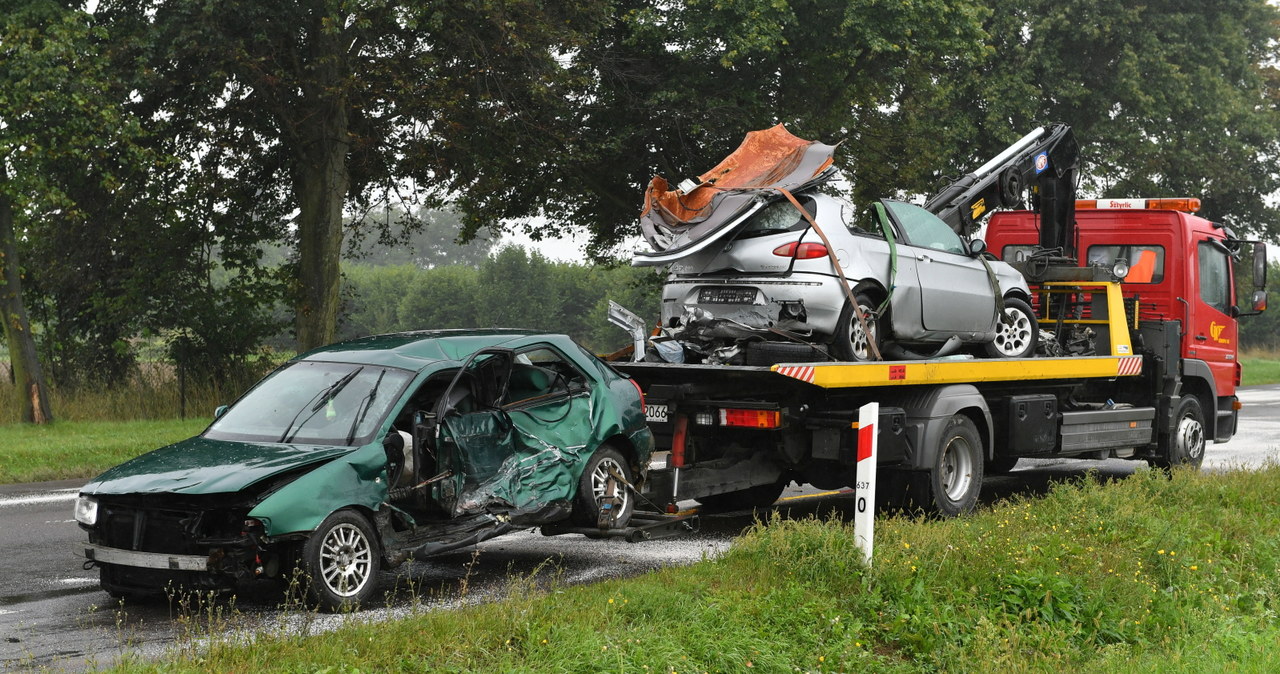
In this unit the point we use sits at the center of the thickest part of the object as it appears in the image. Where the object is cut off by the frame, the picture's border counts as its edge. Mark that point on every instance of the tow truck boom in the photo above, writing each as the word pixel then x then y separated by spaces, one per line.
pixel 1047 159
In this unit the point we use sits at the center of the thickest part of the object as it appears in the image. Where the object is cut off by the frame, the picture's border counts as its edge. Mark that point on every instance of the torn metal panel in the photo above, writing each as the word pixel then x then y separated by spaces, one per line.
pixel 675 220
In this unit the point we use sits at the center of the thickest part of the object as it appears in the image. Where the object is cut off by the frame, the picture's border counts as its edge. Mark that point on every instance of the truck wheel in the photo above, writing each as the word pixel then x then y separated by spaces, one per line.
pixel 1184 446
pixel 1017 333
pixel 851 342
pixel 951 486
pixel 341 560
pixel 759 496
pixel 602 501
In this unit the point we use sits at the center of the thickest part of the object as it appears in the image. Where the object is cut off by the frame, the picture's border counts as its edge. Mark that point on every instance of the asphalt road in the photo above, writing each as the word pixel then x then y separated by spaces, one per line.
pixel 52 614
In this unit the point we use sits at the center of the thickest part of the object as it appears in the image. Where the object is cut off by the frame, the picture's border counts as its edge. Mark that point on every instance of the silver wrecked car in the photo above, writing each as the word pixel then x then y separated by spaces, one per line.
pixel 747 267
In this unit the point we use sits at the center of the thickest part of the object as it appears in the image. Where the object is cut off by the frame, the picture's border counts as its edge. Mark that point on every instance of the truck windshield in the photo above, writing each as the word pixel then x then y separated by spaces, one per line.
pixel 314 403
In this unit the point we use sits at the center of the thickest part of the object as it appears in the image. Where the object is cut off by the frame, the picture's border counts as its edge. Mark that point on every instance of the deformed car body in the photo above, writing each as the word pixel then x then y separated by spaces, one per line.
pixel 763 267
pixel 360 455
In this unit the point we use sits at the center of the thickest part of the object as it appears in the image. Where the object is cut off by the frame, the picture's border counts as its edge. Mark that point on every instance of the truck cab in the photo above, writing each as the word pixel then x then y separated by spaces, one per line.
pixel 1181 274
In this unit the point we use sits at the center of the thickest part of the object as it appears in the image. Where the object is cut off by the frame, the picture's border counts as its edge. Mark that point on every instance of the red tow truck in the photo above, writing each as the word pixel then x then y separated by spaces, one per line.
pixel 1138 360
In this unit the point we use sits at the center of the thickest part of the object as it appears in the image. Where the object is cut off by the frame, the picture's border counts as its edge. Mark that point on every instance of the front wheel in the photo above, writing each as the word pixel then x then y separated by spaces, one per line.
pixel 951 486
pixel 1016 332
pixel 851 341
pixel 603 500
pixel 341 560
pixel 1184 445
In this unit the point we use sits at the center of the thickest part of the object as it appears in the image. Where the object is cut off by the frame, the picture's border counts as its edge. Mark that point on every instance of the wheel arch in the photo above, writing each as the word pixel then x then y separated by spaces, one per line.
pixel 928 412
pixel 1197 380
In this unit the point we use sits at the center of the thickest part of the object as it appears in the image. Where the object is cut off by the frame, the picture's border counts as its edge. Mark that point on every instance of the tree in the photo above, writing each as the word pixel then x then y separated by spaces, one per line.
pixel 52 111
pixel 1168 98
pixel 423 239
pixel 323 104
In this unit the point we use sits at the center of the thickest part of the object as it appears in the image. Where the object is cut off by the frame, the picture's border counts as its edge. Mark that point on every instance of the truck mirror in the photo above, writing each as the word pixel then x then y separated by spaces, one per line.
pixel 1260 267
pixel 977 247
pixel 1259 301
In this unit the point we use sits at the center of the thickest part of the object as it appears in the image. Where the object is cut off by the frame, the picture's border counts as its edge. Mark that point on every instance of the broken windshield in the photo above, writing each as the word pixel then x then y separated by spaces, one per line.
pixel 315 403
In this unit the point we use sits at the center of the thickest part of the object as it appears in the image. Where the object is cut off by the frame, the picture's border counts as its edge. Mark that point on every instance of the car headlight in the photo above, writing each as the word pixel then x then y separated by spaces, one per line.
pixel 86 511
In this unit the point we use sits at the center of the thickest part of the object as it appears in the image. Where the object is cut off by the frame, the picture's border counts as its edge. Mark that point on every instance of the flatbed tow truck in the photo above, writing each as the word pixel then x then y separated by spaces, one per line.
pixel 1126 377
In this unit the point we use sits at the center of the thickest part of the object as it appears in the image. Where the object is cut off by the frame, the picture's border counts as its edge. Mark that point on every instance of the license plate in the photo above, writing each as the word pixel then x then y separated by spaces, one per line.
pixel 726 295
pixel 656 413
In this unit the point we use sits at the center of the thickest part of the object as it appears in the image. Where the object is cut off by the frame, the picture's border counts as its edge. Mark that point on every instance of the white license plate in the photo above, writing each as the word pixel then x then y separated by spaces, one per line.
pixel 656 413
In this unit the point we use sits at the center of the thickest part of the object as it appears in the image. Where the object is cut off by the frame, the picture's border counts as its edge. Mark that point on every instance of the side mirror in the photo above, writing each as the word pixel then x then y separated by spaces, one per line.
pixel 977 247
pixel 221 410
pixel 1259 301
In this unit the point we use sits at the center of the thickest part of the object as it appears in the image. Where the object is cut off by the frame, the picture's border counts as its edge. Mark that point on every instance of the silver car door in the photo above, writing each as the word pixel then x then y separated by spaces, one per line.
pixel 956 295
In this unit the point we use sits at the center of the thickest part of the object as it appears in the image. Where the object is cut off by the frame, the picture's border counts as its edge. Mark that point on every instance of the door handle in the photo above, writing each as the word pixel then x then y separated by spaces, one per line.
pixel 1202 338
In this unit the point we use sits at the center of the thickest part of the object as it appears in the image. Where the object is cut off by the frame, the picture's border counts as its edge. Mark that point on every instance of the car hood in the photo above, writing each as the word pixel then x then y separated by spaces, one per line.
pixel 202 466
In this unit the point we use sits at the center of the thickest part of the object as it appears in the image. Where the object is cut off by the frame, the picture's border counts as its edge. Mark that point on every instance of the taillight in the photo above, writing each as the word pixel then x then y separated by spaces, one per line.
pixel 751 418
pixel 638 390
pixel 801 251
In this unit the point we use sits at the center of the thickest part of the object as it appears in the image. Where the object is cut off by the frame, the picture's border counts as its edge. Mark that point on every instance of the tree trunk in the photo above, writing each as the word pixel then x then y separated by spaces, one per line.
pixel 320 183
pixel 32 394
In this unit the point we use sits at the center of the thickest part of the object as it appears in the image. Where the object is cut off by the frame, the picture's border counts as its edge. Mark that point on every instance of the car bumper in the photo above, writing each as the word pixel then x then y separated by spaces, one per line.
pixel 146 560
pixel 821 296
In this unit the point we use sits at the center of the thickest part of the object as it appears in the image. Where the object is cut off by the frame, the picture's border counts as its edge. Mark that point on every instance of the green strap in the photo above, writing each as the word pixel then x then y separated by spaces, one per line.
pixel 882 216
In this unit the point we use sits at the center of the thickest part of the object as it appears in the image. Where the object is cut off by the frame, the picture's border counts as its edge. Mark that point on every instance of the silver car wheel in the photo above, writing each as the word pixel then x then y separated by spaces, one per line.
pixel 858 340
pixel 1014 333
pixel 346 560
pixel 602 482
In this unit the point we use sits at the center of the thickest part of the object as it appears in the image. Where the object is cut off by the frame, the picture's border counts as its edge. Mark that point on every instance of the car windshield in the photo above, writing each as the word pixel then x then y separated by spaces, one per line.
pixel 316 403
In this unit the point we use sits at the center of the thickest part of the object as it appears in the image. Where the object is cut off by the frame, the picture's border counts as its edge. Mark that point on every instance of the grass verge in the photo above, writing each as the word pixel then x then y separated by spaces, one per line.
pixel 1148 574
pixel 1260 369
pixel 71 449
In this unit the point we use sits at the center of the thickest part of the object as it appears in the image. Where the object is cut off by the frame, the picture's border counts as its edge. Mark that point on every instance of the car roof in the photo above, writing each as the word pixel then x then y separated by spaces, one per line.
pixel 421 348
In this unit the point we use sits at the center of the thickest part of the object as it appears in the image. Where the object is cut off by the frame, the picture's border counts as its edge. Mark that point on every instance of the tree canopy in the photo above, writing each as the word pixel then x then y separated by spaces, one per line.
pixel 178 139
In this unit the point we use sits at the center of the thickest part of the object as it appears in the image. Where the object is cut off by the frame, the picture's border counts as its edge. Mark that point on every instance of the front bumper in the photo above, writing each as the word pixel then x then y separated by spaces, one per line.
pixel 146 560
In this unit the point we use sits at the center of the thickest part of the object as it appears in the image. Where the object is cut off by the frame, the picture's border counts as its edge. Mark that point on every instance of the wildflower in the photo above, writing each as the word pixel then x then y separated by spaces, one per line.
pixel 1194 567
pixel 906 545
pixel 610 600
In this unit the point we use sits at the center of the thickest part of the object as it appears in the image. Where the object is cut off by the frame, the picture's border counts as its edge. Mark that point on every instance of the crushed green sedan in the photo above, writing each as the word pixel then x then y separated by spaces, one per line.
pixel 358 456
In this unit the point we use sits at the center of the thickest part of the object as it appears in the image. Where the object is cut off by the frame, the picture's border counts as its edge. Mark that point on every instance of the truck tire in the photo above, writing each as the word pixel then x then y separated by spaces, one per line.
pixel 341 560
pixel 592 506
pixel 850 343
pixel 1184 445
pixel 759 496
pixel 1017 333
pixel 951 486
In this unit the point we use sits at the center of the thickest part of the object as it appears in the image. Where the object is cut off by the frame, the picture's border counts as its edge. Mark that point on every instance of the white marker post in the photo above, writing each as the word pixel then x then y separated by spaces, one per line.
pixel 864 518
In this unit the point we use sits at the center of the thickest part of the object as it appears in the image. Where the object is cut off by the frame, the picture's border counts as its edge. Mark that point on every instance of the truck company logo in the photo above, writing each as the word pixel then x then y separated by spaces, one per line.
pixel 1215 331
pixel 1042 162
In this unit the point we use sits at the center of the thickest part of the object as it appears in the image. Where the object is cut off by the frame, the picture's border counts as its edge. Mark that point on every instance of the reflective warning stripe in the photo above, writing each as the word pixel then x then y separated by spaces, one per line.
pixel 802 372
pixel 1129 366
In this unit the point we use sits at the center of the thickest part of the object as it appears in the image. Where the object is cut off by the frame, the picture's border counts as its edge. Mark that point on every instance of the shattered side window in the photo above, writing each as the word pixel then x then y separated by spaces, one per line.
pixel 542 372
pixel 778 217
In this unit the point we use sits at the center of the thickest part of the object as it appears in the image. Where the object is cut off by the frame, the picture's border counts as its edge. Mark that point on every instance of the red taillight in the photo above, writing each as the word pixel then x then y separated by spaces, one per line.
pixel 751 418
pixel 801 251
pixel 638 390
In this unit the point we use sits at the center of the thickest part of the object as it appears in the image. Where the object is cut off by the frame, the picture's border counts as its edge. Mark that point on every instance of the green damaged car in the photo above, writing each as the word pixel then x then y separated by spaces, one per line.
pixel 360 455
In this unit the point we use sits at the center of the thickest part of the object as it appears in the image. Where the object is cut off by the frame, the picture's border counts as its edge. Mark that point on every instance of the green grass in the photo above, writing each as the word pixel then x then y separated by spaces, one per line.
pixel 73 449
pixel 1258 370
pixel 1148 574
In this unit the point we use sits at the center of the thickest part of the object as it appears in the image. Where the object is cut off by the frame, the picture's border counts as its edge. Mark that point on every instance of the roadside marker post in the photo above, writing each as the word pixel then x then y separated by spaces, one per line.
pixel 864 517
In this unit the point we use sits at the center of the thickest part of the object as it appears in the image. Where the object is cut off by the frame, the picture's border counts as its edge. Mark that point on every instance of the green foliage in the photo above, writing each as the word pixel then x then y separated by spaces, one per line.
pixel 1146 574
pixel 514 288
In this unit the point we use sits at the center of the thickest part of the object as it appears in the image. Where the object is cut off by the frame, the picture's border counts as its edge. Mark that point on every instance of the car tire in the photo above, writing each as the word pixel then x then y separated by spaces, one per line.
pixel 850 343
pixel 1016 335
pixel 759 496
pixel 1185 444
pixel 591 507
pixel 341 560
pixel 951 485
